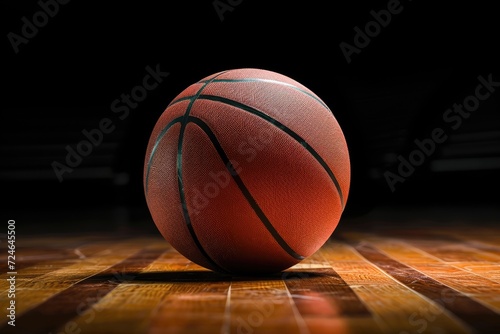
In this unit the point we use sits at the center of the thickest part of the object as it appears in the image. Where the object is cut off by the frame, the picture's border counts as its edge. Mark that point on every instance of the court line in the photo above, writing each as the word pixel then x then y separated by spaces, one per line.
pixel 226 325
pixel 299 319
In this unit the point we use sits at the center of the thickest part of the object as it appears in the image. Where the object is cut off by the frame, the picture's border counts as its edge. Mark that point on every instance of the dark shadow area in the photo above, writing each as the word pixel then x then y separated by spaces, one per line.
pixel 62 86
pixel 206 276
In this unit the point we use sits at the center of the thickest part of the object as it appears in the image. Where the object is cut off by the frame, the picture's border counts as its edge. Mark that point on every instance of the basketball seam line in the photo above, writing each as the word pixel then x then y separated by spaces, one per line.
pixel 272 120
pixel 246 193
pixel 241 185
pixel 185 120
pixel 155 146
pixel 185 212
pixel 182 200
pixel 275 82
pixel 285 129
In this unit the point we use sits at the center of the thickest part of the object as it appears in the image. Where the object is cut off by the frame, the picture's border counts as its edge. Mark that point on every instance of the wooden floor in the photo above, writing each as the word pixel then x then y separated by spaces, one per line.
pixel 370 278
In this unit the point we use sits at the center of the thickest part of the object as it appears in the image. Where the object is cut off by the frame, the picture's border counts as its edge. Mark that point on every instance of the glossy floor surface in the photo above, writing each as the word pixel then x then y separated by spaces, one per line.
pixel 371 277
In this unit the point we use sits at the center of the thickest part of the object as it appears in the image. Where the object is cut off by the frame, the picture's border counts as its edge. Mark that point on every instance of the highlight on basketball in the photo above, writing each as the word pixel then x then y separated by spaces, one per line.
pixel 257 214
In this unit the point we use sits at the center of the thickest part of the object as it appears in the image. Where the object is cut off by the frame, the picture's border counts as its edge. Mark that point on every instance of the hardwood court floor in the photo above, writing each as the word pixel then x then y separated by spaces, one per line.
pixel 372 277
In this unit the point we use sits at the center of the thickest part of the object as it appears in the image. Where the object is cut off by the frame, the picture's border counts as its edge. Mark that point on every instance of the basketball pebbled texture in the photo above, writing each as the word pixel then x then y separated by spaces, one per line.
pixel 246 172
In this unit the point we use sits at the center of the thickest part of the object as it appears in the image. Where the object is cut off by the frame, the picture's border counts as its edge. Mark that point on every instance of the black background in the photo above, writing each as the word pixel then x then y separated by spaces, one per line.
pixel 395 90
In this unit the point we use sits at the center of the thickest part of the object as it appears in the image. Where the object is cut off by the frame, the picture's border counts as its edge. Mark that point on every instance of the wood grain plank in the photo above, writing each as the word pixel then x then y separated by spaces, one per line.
pixel 468 310
pixel 489 271
pixel 404 280
pixel 131 306
pixel 196 307
pixel 179 311
pixel 395 307
pixel 30 251
pixel 454 251
pixel 31 291
pixel 171 295
pixel 472 255
pixel 60 308
pixel 477 287
pixel 326 302
pixel 262 306
pixel 458 242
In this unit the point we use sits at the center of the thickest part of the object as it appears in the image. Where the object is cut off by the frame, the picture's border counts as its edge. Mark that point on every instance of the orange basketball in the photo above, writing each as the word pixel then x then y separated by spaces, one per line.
pixel 246 172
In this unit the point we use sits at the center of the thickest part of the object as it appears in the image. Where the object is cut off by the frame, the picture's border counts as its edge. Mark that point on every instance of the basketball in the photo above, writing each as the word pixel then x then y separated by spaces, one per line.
pixel 246 172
